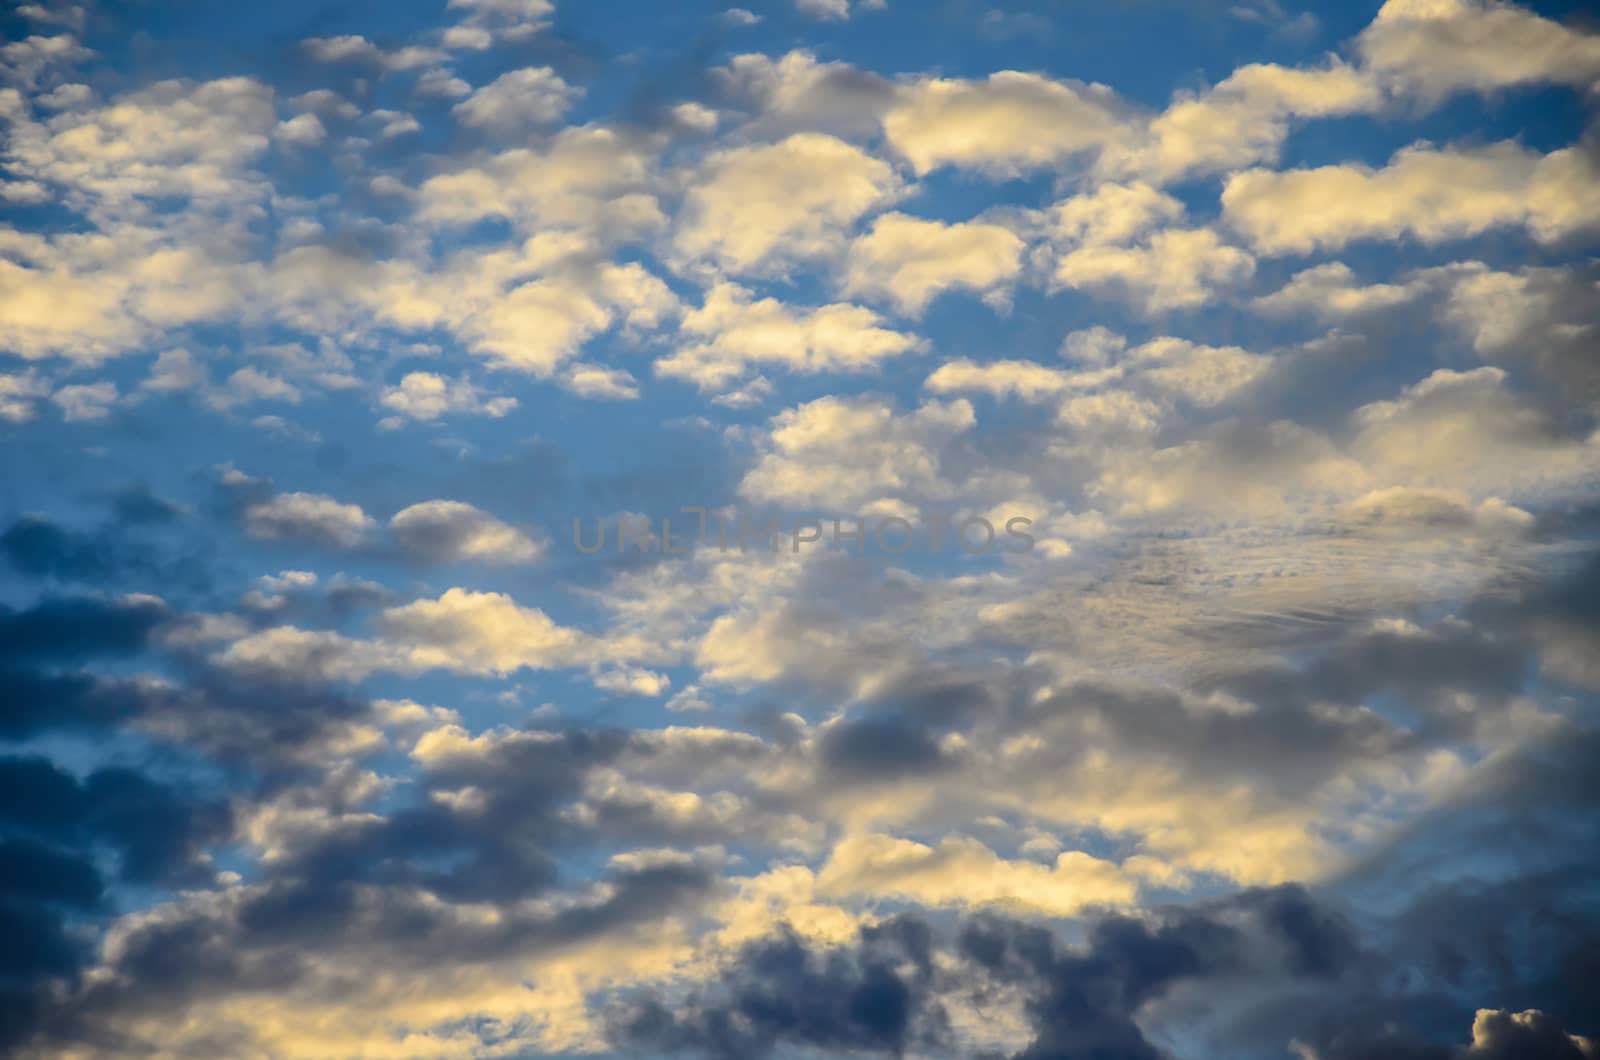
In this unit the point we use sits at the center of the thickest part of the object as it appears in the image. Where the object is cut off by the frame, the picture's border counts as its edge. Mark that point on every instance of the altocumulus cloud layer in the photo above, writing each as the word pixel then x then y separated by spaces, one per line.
pixel 320 325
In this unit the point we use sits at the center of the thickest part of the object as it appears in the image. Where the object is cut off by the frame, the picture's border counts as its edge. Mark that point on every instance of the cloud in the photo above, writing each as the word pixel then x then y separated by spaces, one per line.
pixel 427 396
pixel 594 381
pixel 583 176
pixel 1331 292
pixel 514 101
pixel 796 92
pixel 1433 48
pixel 837 9
pixel 963 872
pixel 1469 431
pixel 85 401
pixel 911 261
pixel 303 130
pixel 1118 239
pixel 1027 380
pixel 1430 194
pixel 356 48
pixel 1173 269
pixel 753 206
pixel 834 454
pixel 308 516
pixel 172 139
pixel 733 332
pixel 1006 124
pixel 1243 119
pixel 450 531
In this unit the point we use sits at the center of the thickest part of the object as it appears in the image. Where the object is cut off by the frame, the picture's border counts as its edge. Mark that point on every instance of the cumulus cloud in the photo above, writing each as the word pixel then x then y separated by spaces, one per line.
pixel 912 261
pixel 1122 239
pixel 796 198
pixel 834 454
pixel 734 332
pixel 517 100
pixel 1430 194
pixel 963 872
pixel 450 531
pixel 308 516
pixel 1435 47
pixel 1005 124
pixel 797 92
pixel 427 396
pixel 1333 292
pixel 1244 119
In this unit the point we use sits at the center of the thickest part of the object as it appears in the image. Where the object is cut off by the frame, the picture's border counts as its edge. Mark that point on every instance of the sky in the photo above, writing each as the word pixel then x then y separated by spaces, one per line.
pixel 837 528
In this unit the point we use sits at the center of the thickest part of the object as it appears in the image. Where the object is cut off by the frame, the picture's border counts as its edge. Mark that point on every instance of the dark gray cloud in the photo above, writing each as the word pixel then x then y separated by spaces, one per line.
pixel 888 993
pixel 874 998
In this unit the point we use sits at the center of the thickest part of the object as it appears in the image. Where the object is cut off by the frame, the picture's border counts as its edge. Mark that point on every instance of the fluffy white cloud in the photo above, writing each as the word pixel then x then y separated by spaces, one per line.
pixel 477 633
pixel 911 260
pixel 309 516
pixel 428 395
pixel 793 199
pixel 1431 194
pixel 1332 292
pixel 1119 239
pixel 1008 123
pixel 594 381
pixel 450 531
pixel 734 332
pixel 796 92
pixel 834 454
pixel 836 9
pixel 963 872
pixel 18 391
pixel 584 177
pixel 1244 119
pixel 1027 380
pixel 353 47
pixel 85 401
pixel 1469 431
pixel 1174 269
pixel 1435 47
pixel 516 101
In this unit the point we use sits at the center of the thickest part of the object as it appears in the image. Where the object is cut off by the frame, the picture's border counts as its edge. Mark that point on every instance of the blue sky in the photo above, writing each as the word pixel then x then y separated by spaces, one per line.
pixel 1269 330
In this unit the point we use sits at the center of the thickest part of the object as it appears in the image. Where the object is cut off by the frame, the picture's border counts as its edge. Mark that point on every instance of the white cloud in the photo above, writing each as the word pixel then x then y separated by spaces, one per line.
pixel 1469 431
pixel 517 100
pixel 836 9
pixel 584 177
pixel 796 92
pixel 427 396
pixel 912 261
pixel 1244 119
pixel 1435 47
pixel 1431 194
pixel 17 393
pixel 596 381
pixel 474 632
pixel 355 48
pixel 85 401
pixel 793 199
pixel 963 872
pixel 836 454
pixel 303 130
pixel 1116 239
pixel 1009 123
pixel 732 333
pixel 1027 380
pixel 450 531
pixel 1332 292
pixel 311 516
pixel 1177 268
